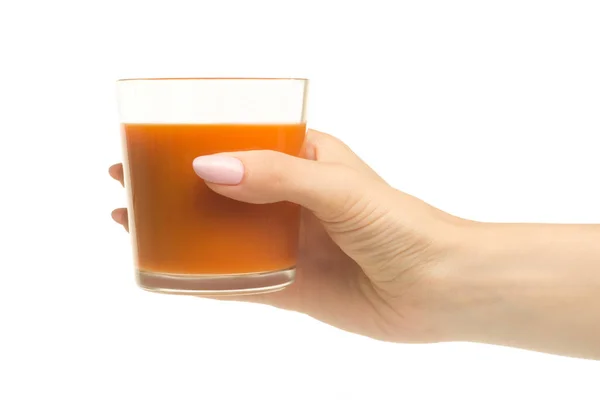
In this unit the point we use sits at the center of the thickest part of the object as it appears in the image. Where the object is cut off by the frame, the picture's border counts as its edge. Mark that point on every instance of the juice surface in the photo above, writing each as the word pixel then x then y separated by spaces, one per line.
pixel 179 226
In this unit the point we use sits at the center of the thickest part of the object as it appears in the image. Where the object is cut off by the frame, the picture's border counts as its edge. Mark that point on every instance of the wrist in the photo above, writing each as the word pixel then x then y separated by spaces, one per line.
pixel 478 281
pixel 524 285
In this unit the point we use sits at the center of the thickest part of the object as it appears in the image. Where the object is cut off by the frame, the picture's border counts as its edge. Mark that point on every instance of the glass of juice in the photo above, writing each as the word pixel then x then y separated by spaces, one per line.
pixel 186 238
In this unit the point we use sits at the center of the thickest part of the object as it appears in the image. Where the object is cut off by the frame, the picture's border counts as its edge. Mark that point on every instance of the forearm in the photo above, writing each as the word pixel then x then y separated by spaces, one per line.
pixel 532 286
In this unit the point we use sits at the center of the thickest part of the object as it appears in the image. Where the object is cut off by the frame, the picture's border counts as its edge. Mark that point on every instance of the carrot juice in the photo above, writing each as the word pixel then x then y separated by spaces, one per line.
pixel 179 226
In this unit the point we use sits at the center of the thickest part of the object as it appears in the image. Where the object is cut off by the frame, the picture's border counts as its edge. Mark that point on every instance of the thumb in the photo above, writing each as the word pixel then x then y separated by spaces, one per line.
pixel 264 176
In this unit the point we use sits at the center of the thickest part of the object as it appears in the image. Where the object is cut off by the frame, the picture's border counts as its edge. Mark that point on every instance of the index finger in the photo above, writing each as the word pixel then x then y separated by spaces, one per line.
pixel 116 172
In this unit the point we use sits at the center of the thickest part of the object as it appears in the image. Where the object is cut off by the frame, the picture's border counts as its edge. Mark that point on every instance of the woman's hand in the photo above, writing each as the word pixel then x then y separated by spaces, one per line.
pixel 378 262
pixel 369 257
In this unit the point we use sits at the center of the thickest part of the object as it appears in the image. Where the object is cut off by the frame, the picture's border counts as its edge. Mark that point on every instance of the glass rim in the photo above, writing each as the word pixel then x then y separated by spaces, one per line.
pixel 211 79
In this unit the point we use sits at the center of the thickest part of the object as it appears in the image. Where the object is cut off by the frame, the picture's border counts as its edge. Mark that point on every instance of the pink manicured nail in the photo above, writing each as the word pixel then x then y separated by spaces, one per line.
pixel 222 170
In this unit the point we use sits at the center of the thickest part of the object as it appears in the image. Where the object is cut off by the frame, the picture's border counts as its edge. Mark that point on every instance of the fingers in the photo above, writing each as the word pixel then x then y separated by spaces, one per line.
pixel 116 172
pixel 120 216
pixel 264 176
pixel 326 187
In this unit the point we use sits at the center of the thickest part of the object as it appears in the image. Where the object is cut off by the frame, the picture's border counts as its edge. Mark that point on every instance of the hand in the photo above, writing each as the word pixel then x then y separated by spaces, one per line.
pixel 380 263
pixel 369 255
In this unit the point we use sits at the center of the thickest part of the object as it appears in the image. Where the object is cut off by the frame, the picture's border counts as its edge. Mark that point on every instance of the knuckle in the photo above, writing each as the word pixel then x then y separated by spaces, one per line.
pixel 267 168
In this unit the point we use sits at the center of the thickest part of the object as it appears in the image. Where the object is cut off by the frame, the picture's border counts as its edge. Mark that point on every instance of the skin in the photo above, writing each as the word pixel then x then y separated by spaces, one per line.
pixel 380 263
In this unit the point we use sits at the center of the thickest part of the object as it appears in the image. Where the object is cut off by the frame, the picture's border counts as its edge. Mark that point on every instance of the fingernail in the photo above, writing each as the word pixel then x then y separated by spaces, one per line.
pixel 222 170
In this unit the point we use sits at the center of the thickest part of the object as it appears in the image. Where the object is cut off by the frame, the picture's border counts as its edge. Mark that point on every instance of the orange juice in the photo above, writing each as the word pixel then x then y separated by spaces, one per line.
pixel 179 226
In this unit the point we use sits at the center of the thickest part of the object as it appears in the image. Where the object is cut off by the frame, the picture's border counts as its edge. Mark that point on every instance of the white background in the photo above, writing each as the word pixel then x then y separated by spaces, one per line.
pixel 487 109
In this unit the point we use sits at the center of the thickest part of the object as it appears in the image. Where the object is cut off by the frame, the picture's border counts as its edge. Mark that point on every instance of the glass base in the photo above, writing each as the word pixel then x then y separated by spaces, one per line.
pixel 216 285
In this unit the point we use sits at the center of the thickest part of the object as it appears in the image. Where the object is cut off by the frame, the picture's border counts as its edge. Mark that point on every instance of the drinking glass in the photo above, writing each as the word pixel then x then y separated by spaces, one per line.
pixel 186 238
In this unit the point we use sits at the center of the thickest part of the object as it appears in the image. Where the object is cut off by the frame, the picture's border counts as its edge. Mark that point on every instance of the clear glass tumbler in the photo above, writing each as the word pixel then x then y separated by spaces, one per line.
pixel 186 238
